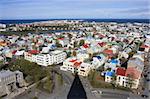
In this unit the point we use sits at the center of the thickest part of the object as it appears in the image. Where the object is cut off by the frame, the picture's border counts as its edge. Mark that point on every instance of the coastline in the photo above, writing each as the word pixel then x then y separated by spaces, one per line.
pixel 21 21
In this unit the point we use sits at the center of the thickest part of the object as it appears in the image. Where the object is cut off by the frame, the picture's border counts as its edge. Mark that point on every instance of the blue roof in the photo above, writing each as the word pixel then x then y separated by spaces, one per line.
pixel 98 57
pixel 114 61
pixel 110 73
pixel 53 46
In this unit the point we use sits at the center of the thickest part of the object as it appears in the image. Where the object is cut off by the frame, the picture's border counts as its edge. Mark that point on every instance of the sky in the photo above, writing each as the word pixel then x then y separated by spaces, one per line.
pixel 62 9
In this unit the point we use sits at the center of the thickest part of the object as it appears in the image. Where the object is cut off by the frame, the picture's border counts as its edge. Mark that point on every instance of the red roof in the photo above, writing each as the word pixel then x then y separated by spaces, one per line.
pixel 102 44
pixel 73 60
pixel 13 52
pixel 86 45
pixel 144 46
pixel 33 52
pixel 101 35
pixel 60 38
pixel 133 72
pixel 108 51
pixel 77 64
pixel 121 71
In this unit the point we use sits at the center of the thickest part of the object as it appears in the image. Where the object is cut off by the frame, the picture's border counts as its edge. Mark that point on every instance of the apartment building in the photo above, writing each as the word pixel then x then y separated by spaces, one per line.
pixel 45 59
pixel 58 56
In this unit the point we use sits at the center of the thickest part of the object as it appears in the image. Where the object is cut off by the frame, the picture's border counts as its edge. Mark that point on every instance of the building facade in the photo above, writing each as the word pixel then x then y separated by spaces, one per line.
pixel 9 80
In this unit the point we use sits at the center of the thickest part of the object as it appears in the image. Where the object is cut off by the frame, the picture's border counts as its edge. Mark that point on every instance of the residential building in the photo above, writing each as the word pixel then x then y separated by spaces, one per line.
pixel 45 59
pixel 109 76
pixel 75 65
pixel 98 61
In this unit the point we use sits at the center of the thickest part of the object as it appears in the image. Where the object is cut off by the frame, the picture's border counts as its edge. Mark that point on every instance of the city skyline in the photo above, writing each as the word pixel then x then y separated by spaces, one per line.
pixel 57 9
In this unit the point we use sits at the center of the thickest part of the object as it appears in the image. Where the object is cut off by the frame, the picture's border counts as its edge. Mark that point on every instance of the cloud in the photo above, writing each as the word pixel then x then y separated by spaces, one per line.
pixel 136 10
pixel 73 8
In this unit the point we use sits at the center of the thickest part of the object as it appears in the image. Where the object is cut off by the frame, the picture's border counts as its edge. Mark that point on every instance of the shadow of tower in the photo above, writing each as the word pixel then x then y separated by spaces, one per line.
pixel 77 90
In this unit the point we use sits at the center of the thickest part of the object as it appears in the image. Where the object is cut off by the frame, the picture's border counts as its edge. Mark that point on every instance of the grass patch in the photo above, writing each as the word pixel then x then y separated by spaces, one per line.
pixel 32 72
pixel 46 85
pixel 59 79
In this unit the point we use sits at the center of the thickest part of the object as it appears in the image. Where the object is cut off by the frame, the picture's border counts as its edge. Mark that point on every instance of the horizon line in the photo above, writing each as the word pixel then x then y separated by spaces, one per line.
pixel 75 18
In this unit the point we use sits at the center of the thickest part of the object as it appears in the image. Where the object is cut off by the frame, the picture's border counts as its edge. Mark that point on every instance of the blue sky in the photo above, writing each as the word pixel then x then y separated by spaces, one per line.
pixel 35 9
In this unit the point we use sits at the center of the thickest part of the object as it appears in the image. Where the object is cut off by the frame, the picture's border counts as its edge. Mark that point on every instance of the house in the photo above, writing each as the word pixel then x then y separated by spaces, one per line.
pixel 63 41
pixel 75 65
pixel 120 76
pixel 134 70
pixel 145 48
pixel 82 55
pixel 113 63
pixel 98 61
pixel 109 75
pixel 84 69
pixel 68 64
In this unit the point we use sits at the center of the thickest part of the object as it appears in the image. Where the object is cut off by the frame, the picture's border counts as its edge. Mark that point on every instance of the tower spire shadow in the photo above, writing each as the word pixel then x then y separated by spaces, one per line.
pixel 77 90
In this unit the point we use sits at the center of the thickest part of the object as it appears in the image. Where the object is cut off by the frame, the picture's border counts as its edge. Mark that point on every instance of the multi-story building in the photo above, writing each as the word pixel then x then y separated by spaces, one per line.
pixel 9 80
pixel 45 59
pixel 58 56
pixel 131 76
pixel 75 65
pixel 31 55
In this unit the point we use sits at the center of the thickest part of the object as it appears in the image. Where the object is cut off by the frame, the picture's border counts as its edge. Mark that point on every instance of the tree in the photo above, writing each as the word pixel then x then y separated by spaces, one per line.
pixel 81 42
pixel 58 44
pixel 35 97
pixel 69 36
pixel 75 44
pixel 68 54
pixel 32 72
pixel 74 53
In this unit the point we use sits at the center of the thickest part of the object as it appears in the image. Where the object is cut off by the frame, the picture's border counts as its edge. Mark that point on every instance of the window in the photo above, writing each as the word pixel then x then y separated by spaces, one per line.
pixel 123 83
pixel 119 78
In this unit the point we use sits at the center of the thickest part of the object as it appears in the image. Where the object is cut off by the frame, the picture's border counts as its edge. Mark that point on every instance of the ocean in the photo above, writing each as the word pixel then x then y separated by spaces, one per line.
pixel 85 20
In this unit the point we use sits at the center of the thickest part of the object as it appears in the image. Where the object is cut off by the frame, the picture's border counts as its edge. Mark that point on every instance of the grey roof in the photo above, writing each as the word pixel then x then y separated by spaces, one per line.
pixel 5 73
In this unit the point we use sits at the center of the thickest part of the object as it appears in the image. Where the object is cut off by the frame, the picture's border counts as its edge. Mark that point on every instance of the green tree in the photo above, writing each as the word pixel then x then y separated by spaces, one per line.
pixel 81 42
pixel 35 97
pixel 74 53
pixel 75 44
pixel 58 44
pixel 32 72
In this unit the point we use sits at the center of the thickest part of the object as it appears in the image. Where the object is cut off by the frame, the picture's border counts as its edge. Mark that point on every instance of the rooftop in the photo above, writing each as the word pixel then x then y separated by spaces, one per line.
pixel 5 73
pixel 56 52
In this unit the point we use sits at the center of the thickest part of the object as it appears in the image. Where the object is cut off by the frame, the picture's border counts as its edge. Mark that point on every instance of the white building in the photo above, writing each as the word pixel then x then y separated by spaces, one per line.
pixel 54 57
pixel 75 65
pixel 82 56
pixel 98 61
pixel 58 56
pixel 44 59
pixel 30 56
